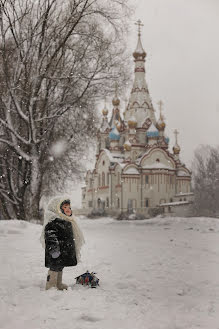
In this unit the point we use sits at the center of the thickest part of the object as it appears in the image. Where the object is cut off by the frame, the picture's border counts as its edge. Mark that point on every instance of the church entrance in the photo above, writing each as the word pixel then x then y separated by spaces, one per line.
pixel 132 204
pixel 100 204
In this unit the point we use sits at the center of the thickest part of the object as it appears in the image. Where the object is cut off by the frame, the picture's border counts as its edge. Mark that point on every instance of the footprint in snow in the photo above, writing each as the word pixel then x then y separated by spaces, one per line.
pixel 89 318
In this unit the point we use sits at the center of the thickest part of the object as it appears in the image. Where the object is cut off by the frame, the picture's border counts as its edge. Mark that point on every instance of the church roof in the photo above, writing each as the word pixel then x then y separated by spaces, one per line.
pixel 132 171
pixel 157 165
pixel 114 134
pixel 182 173
pixel 140 99
pixel 152 131
pixel 114 157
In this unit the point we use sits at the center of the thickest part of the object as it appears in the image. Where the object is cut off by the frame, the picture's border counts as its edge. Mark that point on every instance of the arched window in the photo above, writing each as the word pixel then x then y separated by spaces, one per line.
pixel 118 203
pixel 146 203
pixel 103 179
pixel 99 179
pixel 107 178
pixel 146 179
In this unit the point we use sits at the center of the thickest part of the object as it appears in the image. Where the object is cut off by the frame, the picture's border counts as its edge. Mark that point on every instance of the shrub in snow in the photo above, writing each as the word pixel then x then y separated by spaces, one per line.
pixel 96 213
pixel 153 212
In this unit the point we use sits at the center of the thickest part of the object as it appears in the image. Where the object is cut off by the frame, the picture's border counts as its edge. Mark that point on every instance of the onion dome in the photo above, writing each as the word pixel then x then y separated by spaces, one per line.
pixel 161 124
pixel 176 149
pixel 127 146
pixel 116 101
pixel 132 122
pixel 152 131
pixel 167 140
pixel 139 52
pixel 105 111
pixel 114 134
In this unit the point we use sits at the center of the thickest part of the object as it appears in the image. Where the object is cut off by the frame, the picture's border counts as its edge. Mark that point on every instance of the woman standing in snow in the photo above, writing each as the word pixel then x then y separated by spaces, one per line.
pixel 62 239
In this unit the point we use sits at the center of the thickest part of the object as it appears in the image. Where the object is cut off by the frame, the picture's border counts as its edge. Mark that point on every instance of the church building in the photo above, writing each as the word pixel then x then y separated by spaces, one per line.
pixel 135 171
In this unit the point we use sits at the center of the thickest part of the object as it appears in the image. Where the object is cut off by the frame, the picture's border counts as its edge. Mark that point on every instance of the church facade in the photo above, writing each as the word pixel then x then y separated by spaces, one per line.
pixel 135 171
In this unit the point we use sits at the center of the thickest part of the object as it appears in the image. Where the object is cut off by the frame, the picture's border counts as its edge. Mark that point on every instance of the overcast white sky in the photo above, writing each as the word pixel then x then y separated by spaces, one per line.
pixel 181 39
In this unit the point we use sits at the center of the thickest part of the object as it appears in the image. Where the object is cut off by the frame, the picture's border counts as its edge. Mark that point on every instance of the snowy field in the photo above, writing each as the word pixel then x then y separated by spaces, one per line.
pixel 154 274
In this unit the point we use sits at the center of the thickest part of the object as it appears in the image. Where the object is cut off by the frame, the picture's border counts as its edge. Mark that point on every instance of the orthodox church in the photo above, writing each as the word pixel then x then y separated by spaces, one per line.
pixel 135 171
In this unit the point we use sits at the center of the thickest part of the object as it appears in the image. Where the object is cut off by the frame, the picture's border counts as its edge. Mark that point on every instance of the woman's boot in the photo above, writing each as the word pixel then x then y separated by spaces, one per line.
pixel 52 279
pixel 60 285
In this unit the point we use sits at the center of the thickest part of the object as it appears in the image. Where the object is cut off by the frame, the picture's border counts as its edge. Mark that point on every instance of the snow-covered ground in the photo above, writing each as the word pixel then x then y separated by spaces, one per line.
pixel 154 274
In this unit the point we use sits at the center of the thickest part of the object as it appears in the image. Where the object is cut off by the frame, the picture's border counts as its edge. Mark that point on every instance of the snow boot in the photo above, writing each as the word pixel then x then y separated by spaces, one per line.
pixel 52 279
pixel 60 285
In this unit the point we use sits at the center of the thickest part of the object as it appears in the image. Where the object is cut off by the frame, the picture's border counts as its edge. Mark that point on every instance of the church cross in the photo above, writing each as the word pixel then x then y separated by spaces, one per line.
pixel 139 23
pixel 176 133
pixel 160 103
pixel 116 89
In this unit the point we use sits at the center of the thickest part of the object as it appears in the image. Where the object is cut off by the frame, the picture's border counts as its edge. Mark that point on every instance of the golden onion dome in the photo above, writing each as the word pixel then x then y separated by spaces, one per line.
pixel 138 55
pixel 127 146
pixel 115 101
pixel 132 123
pixel 161 125
pixel 104 111
pixel 176 149
pixel 139 52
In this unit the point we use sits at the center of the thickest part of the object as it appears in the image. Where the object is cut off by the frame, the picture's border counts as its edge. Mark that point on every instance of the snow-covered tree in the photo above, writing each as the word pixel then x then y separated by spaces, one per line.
pixel 56 59
pixel 206 181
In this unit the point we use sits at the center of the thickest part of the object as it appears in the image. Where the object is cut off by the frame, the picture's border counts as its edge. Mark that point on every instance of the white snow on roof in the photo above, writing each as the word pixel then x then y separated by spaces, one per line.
pixel 157 165
pixel 184 194
pixel 132 118
pixel 138 160
pixel 176 203
pixel 122 165
pixel 114 157
pixel 182 173
pixel 152 128
pixel 131 171
pixel 115 131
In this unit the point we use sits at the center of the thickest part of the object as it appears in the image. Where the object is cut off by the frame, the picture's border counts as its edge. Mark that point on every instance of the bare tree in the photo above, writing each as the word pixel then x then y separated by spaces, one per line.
pixel 56 59
pixel 206 181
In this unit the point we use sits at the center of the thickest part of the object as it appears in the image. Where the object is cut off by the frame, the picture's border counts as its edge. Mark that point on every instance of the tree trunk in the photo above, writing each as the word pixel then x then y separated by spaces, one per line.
pixel 33 211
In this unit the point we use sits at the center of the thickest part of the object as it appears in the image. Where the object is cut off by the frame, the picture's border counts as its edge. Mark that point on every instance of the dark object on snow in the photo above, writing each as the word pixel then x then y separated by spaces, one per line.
pixel 96 213
pixel 153 212
pixel 88 279
pixel 59 240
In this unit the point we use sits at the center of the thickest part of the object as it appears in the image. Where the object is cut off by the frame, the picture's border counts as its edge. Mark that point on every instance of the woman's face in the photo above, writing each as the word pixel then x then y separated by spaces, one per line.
pixel 67 209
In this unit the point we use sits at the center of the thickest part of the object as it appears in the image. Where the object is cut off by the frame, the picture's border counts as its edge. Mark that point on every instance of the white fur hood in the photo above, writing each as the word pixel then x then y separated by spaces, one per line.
pixel 53 211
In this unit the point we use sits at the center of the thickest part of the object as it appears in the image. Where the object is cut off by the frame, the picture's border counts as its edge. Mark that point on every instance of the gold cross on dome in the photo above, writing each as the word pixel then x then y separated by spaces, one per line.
pixel 176 133
pixel 116 89
pixel 139 23
pixel 160 103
